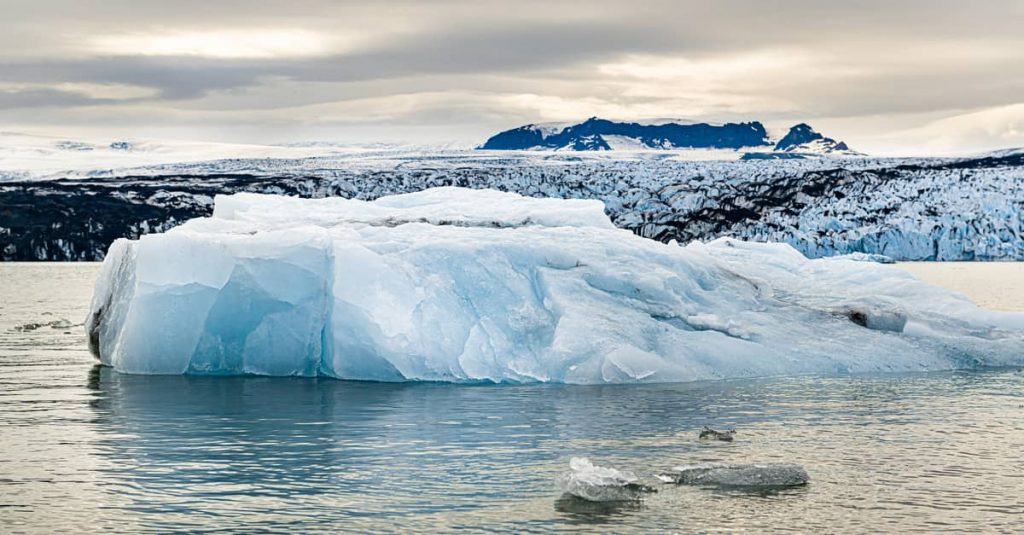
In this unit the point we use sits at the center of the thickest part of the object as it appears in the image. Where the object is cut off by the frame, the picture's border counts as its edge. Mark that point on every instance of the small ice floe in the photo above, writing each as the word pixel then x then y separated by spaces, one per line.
pixel 762 476
pixel 55 324
pixel 601 484
pixel 710 434
pixel 666 478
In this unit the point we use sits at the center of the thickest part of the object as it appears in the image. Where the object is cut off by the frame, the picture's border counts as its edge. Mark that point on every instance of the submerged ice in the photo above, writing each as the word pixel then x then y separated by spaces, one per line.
pixel 769 475
pixel 463 285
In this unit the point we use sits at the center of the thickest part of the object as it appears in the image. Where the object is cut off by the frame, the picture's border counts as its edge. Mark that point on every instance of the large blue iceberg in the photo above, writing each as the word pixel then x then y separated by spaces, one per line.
pixel 463 285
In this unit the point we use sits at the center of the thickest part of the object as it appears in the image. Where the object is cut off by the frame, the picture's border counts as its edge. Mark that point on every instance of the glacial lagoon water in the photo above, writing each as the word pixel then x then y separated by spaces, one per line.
pixel 995 285
pixel 85 449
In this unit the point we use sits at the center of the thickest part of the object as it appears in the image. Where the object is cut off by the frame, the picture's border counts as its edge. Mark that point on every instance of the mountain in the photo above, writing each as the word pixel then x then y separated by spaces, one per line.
pixel 1002 153
pixel 602 134
pixel 803 138
pixel 596 134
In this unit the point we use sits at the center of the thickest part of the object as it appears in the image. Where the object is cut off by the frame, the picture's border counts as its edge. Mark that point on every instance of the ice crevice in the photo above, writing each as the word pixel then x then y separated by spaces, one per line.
pixel 484 286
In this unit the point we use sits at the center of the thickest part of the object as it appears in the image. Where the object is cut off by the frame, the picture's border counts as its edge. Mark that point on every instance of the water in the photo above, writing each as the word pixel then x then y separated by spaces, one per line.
pixel 86 449
pixel 995 285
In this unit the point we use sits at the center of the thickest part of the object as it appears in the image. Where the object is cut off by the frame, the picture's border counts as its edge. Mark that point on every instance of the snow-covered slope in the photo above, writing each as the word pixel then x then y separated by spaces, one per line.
pixel 32 156
pixel 466 285
pixel 1002 153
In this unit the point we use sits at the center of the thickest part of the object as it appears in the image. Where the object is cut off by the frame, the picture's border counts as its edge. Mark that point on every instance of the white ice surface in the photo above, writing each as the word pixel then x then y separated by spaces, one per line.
pixel 438 206
pixel 474 285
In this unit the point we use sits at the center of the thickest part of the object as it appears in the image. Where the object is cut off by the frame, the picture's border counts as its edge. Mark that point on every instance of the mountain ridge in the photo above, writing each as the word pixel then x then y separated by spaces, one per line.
pixel 596 134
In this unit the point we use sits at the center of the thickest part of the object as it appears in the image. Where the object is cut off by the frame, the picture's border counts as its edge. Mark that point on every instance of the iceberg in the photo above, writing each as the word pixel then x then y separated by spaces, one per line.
pixel 459 285
pixel 593 483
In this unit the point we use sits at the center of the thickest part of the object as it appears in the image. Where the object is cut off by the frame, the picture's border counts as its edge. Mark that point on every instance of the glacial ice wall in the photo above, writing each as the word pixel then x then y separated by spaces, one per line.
pixel 462 285
pixel 906 209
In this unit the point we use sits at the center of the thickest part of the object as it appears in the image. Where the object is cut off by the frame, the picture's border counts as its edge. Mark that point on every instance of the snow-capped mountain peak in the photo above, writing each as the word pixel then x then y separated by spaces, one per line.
pixel 803 138
pixel 596 134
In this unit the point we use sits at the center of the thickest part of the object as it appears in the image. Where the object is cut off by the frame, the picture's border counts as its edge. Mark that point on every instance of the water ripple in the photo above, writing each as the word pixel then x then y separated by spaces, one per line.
pixel 86 449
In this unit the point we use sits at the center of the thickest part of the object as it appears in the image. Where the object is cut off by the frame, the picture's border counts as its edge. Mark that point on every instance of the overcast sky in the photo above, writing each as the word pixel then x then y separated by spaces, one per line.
pixel 889 77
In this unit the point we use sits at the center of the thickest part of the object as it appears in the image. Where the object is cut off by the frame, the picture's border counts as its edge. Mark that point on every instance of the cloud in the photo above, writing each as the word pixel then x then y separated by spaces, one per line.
pixel 36 98
pixel 236 43
pixel 975 131
pixel 173 78
pixel 472 67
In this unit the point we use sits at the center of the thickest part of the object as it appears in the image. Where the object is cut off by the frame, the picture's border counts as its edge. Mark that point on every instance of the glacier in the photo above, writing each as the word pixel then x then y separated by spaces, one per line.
pixel 905 209
pixel 463 285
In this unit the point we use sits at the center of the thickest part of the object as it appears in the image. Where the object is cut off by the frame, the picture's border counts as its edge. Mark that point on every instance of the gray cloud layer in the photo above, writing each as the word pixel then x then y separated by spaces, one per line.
pixel 470 67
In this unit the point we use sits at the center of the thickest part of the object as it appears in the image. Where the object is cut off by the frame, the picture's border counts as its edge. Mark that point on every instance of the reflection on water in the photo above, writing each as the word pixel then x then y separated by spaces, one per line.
pixel 580 511
pixel 333 449
pixel 243 453
pixel 87 449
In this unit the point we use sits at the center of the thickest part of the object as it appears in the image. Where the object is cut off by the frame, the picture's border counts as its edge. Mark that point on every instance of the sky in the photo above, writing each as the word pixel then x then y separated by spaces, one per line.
pixel 888 77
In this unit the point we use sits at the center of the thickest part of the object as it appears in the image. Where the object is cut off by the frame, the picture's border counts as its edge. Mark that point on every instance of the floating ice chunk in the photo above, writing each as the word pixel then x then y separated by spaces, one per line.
pixel 710 434
pixel 600 484
pixel 771 475
pixel 481 286
pixel 55 324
